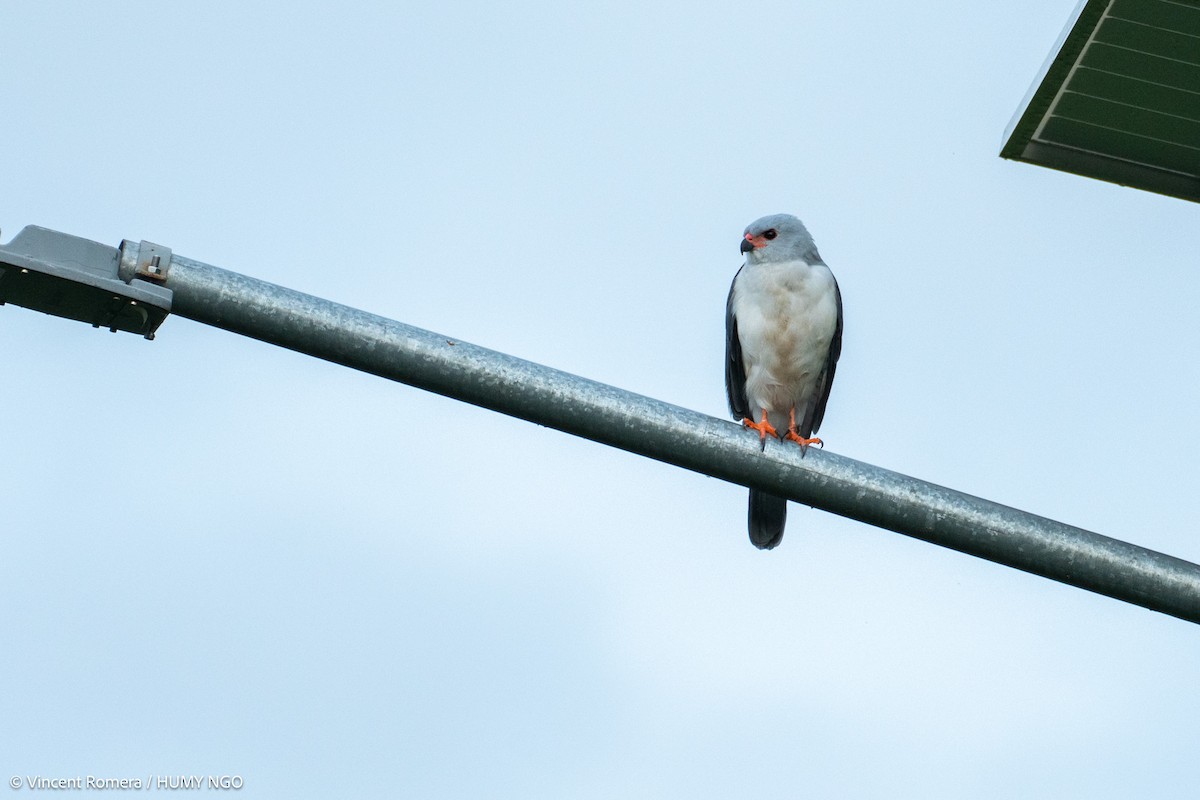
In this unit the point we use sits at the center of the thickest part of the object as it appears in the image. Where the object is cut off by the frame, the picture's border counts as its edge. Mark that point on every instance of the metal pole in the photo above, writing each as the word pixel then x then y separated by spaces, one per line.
pixel 685 438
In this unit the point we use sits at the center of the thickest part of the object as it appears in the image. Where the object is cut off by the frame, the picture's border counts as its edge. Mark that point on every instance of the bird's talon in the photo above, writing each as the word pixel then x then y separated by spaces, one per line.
pixel 800 440
pixel 764 428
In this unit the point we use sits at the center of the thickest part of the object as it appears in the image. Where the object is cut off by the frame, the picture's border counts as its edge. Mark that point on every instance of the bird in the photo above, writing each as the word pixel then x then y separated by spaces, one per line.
pixel 783 338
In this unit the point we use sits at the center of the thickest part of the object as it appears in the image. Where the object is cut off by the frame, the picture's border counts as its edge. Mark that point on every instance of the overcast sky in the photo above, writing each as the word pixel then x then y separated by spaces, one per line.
pixel 224 558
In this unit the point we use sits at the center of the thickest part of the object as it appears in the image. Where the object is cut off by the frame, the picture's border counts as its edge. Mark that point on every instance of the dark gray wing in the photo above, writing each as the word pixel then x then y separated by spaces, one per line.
pixel 735 368
pixel 816 409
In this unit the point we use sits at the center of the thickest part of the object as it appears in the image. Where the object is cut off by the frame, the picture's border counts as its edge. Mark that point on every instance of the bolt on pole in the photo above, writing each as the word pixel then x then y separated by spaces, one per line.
pixel 648 427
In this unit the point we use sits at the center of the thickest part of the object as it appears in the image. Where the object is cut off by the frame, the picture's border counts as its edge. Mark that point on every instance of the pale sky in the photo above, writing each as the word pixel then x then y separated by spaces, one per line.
pixel 224 558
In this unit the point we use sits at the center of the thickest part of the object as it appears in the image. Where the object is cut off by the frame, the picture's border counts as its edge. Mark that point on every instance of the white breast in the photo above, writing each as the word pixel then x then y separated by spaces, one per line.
pixel 786 317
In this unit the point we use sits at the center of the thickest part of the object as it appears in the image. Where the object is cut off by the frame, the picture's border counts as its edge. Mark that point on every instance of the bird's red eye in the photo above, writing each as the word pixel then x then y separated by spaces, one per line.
pixel 770 234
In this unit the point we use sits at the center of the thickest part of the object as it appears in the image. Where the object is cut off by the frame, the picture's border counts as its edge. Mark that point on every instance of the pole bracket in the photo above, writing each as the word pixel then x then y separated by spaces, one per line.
pixel 145 260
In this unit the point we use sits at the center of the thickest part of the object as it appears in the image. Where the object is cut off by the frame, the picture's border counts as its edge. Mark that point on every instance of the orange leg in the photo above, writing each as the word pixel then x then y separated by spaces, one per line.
pixel 796 437
pixel 763 427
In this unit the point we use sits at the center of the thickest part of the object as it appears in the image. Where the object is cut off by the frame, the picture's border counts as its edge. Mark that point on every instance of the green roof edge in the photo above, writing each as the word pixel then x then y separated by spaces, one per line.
pixel 1053 75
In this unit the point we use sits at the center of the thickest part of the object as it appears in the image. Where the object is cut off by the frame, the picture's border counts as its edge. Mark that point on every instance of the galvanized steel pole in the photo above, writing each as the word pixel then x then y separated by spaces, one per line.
pixel 685 438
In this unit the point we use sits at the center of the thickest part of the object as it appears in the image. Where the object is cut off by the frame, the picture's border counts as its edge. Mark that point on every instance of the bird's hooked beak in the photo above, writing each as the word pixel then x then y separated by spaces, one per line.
pixel 750 242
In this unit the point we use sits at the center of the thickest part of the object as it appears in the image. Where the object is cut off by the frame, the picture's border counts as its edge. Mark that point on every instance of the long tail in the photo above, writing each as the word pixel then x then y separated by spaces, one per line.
pixel 768 514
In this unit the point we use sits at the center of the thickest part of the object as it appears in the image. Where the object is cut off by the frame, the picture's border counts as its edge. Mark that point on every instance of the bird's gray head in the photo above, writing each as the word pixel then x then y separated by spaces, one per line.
pixel 779 237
